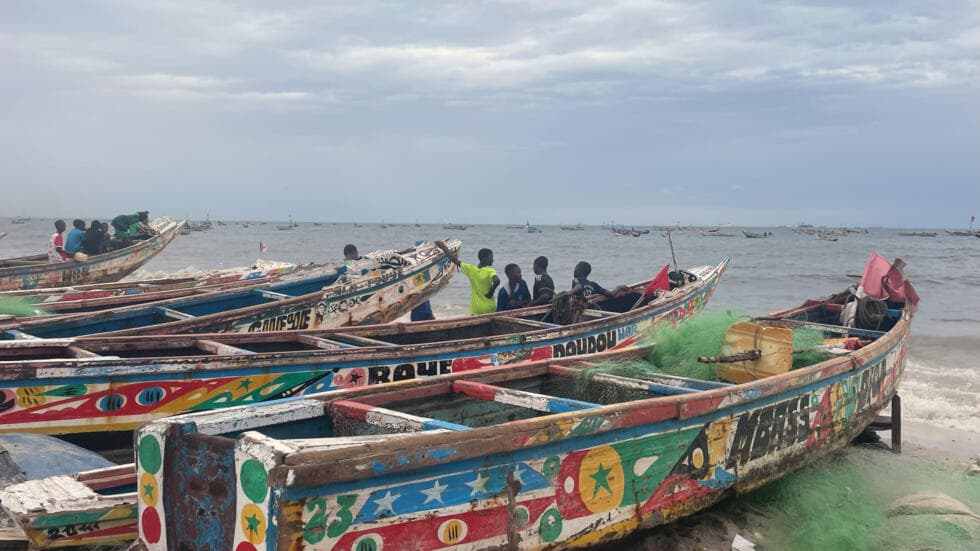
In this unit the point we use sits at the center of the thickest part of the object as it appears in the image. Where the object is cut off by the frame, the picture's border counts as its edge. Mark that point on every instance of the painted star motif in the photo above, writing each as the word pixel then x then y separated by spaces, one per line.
pixel 253 523
pixel 518 474
pixel 148 491
pixel 479 485
pixel 385 502
pixel 434 493
pixel 601 477
pixel 245 383
pixel 354 377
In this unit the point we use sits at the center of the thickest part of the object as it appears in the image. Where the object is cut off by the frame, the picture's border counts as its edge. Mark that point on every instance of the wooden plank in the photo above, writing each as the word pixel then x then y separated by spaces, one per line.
pixel 532 323
pixel 530 400
pixel 271 294
pixel 220 349
pixel 391 419
pixel 320 342
pixel 82 353
pixel 171 313
pixel 364 341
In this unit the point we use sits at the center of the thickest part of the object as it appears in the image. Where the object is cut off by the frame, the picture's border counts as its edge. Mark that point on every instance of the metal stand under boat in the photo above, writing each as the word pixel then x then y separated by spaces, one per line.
pixel 891 423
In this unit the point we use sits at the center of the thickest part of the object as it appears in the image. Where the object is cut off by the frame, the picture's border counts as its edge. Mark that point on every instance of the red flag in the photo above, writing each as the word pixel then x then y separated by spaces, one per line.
pixel 662 282
pixel 262 247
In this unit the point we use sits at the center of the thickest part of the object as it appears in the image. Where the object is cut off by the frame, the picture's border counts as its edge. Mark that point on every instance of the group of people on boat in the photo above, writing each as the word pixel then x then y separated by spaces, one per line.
pixel 81 242
pixel 514 293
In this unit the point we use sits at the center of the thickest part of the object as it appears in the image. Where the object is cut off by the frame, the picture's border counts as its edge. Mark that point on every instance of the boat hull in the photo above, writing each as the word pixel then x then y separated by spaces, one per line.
pixel 362 293
pixel 108 267
pixel 77 396
pixel 567 480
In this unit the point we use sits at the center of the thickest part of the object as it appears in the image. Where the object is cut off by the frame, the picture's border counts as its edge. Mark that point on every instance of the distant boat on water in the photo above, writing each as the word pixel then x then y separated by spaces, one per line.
pixel 576 227
pixel 20 220
pixel 753 235
pixel 531 229
pixel 451 226
pixel 289 226
pixel 918 234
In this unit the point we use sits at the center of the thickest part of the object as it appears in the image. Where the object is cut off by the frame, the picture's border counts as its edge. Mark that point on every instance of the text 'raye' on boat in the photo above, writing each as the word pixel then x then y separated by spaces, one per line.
pixel 98 384
pixel 36 271
pixel 377 289
pixel 542 455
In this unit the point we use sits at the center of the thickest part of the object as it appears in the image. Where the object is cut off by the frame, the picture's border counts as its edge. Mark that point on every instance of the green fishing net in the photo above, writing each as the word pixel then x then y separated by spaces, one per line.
pixel 854 501
pixel 677 350
pixel 19 307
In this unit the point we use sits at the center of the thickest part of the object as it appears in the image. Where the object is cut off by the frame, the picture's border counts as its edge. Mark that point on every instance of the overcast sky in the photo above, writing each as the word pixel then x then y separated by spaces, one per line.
pixel 644 112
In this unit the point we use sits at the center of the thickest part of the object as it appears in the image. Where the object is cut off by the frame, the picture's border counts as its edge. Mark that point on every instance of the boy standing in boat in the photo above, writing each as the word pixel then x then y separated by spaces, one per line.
pixel 483 279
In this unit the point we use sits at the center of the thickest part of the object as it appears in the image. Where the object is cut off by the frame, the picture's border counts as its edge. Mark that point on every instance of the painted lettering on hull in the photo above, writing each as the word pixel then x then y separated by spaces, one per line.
pixel 587 345
pixel 286 322
pixel 403 372
pixel 765 430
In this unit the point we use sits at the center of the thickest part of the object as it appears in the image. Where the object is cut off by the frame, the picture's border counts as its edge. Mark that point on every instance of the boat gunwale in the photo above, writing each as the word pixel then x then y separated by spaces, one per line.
pixel 304 467
pixel 172 228
pixel 207 319
pixel 213 362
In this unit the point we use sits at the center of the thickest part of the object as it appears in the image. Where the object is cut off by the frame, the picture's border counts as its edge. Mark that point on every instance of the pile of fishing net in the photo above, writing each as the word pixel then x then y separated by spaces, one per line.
pixel 677 349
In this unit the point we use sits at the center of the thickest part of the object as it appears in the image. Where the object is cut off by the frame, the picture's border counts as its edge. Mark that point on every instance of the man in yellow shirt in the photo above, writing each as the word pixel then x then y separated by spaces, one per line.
pixel 483 279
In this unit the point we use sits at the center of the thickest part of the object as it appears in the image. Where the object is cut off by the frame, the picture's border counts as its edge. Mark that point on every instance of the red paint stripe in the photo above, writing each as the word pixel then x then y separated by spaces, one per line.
pixel 353 410
pixel 479 391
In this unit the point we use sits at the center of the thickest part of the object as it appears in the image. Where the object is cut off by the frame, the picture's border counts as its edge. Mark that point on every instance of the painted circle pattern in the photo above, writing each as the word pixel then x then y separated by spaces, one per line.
pixel 551 524
pixel 111 402
pixel 452 531
pixel 255 481
pixel 150 396
pixel 601 480
pixel 253 523
pixel 369 542
pixel 148 490
pixel 150 525
pixel 149 454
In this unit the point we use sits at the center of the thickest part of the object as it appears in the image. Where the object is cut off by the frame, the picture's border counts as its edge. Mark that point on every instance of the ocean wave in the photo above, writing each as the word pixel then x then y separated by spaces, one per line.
pixel 937 406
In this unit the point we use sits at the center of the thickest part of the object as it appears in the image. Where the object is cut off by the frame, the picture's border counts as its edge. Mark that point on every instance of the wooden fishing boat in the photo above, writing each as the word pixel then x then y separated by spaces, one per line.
pixel 716 234
pixel 290 226
pixel 918 234
pixel 62 386
pixel 450 226
pixel 378 289
pixel 536 456
pixel 530 228
pixel 753 235
pixel 31 272
pixel 96 503
pixel 99 296
pixel 576 227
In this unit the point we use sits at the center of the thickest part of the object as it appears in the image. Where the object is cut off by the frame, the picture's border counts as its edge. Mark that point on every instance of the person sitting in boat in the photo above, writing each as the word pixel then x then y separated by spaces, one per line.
pixel 581 285
pixel 351 254
pixel 544 286
pixel 514 294
pixel 93 241
pixel 483 279
pixel 56 248
pixel 133 226
pixel 73 241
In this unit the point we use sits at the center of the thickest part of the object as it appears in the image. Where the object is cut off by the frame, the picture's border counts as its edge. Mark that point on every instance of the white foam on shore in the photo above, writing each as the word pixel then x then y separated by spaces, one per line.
pixel 941 397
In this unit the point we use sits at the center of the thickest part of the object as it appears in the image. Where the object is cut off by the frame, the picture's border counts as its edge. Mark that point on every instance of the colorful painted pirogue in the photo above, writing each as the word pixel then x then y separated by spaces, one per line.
pixel 377 289
pixel 31 272
pixel 507 458
pixel 99 296
pixel 60 386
